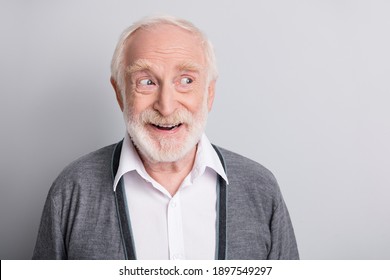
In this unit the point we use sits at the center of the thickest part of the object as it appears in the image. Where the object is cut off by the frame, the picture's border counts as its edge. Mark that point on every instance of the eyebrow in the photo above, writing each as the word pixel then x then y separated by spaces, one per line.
pixel 189 66
pixel 138 65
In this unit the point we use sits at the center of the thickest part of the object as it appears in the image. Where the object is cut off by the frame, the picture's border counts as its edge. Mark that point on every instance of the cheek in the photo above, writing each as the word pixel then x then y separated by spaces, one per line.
pixel 195 100
pixel 197 105
pixel 137 104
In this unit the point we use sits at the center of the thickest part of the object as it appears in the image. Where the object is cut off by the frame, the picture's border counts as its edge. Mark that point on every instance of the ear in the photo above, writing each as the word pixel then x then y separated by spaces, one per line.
pixel 118 93
pixel 211 94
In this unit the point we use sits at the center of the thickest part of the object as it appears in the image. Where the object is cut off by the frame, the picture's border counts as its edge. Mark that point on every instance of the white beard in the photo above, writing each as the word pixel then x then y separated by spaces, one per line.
pixel 166 149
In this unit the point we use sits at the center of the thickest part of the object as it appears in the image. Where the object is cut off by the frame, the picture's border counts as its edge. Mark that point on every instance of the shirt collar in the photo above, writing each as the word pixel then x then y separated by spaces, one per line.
pixel 206 157
pixel 129 161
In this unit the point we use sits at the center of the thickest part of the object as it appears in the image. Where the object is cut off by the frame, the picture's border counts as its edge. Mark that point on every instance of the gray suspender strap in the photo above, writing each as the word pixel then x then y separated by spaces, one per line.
pixel 121 207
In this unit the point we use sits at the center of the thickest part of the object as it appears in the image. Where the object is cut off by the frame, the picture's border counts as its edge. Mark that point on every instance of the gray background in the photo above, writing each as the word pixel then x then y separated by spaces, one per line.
pixel 303 89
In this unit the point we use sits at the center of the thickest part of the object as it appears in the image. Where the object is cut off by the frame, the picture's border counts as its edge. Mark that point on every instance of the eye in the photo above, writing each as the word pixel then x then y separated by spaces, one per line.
pixel 186 81
pixel 146 82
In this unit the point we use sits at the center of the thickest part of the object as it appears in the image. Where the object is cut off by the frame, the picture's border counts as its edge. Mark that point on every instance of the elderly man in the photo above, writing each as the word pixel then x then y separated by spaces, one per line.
pixel 164 191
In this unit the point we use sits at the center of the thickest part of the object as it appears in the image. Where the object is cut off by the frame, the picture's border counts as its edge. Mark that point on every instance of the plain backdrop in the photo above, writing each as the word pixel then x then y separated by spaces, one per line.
pixel 303 89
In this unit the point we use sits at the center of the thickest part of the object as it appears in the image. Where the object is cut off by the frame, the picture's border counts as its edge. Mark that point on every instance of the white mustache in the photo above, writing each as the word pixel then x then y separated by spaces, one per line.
pixel 154 117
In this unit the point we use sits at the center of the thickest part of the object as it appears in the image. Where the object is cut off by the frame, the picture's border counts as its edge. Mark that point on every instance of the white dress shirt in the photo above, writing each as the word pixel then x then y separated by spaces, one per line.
pixel 182 226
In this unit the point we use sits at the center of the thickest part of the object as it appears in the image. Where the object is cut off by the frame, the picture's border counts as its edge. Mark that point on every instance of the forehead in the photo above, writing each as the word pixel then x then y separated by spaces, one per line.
pixel 164 43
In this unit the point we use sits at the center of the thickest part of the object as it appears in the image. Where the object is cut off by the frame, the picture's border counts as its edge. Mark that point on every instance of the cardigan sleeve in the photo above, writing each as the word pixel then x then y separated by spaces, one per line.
pixel 50 242
pixel 284 245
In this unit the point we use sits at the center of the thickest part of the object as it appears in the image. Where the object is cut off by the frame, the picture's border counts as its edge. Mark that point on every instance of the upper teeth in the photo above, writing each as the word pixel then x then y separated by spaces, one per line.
pixel 166 125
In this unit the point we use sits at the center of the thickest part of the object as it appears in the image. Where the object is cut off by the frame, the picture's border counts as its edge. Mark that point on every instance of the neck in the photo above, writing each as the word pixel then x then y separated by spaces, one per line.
pixel 170 175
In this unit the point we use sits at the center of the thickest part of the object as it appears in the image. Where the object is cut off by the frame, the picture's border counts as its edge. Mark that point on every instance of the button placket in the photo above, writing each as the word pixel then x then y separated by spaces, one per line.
pixel 175 229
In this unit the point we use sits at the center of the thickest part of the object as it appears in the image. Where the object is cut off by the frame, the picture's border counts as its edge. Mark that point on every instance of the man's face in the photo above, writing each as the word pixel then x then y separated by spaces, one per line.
pixel 166 93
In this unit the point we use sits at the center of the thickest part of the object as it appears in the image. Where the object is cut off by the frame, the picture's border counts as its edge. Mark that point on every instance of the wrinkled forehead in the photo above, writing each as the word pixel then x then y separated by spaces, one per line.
pixel 164 41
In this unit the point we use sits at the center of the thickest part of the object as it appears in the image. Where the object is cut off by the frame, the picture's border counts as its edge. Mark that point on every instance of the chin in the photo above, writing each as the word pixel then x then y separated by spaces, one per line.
pixel 162 150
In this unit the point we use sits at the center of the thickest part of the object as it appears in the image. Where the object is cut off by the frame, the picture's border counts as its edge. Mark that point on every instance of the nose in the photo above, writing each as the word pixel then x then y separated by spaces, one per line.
pixel 166 102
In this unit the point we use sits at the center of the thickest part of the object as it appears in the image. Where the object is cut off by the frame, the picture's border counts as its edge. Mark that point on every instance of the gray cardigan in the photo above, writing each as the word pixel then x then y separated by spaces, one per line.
pixel 83 218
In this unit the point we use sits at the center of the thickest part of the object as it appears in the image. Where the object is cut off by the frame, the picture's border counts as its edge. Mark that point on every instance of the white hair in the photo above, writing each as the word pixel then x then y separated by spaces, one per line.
pixel 117 67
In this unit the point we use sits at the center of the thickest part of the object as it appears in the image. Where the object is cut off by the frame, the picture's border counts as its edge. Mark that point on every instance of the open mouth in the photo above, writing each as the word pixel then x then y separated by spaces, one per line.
pixel 166 127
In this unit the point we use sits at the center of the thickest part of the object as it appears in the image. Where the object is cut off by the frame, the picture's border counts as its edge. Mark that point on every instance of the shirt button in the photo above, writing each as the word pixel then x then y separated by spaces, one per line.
pixel 177 257
pixel 173 204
